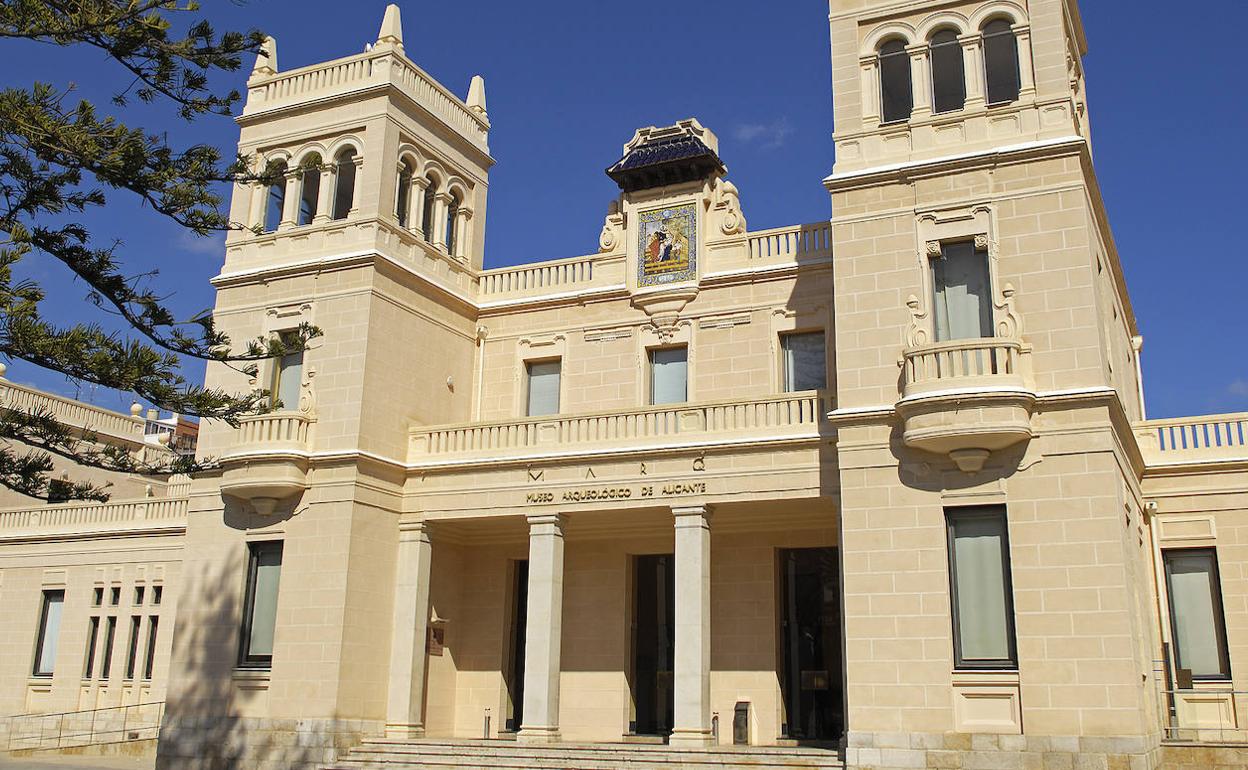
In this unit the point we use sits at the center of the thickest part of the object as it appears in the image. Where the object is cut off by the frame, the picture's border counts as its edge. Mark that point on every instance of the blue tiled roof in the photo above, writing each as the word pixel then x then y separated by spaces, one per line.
pixel 665 161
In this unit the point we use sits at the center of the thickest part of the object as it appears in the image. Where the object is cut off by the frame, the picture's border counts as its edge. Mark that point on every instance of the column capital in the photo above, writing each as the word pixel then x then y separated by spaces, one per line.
pixel 692 515
pixel 557 520
pixel 413 530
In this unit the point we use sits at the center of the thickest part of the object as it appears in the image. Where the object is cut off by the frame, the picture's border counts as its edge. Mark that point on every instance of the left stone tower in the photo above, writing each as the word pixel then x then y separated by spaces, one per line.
pixel 372 231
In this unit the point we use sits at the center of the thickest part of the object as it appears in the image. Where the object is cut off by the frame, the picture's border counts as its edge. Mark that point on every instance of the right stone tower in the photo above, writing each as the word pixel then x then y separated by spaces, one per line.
pixel 995 557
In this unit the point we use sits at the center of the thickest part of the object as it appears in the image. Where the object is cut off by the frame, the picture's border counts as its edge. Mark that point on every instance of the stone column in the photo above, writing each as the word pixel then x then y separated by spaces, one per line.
pixel 1026 77
pixel 692 664
pixel 359 181
pixel 544 631
pixel 920 80
pixel 869 69
pixel 259 197
pixel 441 201
pixel 973 69
pixel 325 195
pixel 462 215
pixel 405 703
pixel 290 203
pixel 416 221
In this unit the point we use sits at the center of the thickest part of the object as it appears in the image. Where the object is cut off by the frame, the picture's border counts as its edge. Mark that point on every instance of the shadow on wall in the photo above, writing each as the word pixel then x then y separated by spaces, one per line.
pixel 207 725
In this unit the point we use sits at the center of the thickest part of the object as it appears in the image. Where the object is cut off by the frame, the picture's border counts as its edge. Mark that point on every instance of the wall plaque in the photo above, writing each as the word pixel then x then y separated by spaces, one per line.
pixel 667 245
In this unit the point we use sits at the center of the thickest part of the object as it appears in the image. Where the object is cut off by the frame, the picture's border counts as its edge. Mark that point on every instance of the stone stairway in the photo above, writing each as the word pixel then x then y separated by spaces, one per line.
pixel 387 754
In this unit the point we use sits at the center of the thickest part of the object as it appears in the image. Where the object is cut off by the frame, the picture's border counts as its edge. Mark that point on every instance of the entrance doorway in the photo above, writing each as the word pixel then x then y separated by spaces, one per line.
pixel 810 634
pixel 515 657
pixel 654 642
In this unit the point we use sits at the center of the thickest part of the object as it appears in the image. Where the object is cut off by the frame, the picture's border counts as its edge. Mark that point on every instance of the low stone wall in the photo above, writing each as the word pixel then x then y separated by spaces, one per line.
pixel 980 751
pixel 1204 757
pixel 236 743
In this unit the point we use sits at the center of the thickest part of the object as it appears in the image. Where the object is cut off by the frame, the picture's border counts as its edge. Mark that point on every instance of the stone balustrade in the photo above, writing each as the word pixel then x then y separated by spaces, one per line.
pixel 270 433
pixel 110 426
pixel 359 72
pixel 92 515
pixel 790 243
pixel 1211 438
pixel 786 415
pixel 269 460
pixel 551 278
pixel 962 364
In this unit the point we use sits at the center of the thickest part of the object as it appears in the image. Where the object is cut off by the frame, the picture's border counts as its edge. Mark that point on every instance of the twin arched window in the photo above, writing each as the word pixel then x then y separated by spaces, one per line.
pixel 309 179
pixel 1002 76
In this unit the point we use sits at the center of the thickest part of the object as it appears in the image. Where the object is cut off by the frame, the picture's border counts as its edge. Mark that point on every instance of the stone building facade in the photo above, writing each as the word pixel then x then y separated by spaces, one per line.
pixel 882 482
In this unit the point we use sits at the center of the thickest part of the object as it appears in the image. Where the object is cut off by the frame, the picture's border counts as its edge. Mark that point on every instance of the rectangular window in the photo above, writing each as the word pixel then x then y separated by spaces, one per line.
pixel 93 632
pixel 97 596
pixel 287 372
pixel 543 387
pixel 962 292
pixel 669 375
pixel 138 596
pixel 150 662
pixel 805 361
pixel 157 592
pixel 260 608
pixel 1196 618
pixel 132 652
pixel 979 577
pixel 114 596
pixel 110 633
pixel 49 632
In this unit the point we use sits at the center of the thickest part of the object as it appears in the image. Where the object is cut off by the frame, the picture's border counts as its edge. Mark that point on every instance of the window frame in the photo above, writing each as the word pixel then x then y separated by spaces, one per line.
pixel 984 36
pixel 650 395
pixel 286 337
pixel 786 385
pixel 936 268
pixel 245 658
pixel 344 184
pixel 528 386
pixel 932 46
pixel 880 56
pixel 1215 579
pixel 952 515
pixel 45 604
pixel 308 205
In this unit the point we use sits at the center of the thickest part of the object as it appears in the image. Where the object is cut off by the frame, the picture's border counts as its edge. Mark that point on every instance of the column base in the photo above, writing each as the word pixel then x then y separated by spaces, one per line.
pixel 538 735
pixel 691 738
pixel 405 731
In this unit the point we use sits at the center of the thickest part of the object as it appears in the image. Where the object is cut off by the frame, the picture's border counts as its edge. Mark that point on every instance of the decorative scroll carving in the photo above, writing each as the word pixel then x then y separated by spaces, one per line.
pixel 1009 322
pixel 933 249
pixel 727 205
pixel 612 229
pixel 307 396
pixel 916 332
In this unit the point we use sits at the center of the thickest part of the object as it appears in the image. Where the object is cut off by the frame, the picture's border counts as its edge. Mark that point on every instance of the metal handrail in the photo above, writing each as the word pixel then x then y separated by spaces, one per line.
pixel 43 738
pixel 1229 730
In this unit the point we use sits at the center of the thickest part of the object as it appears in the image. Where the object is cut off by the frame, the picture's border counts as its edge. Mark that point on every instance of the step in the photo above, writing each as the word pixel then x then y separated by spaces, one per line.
pixel 393 754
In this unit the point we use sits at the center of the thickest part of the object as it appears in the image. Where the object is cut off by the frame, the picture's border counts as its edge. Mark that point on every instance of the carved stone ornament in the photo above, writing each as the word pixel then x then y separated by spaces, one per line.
pixel 981 242
pixel 307 396
pixel 916 330
pixel 933 249
pixel 1009 323
pixel 727 205
pixel 612 234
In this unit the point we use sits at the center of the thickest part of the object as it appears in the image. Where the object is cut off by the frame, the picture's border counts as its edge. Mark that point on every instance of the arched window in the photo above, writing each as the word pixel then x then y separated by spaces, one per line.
pixel 427 209
pixel 344 184
pixel 452 210
pixel 896 95
pixel 309 189
pixel 402 200
pixel 275 199
pixel 948 72
pixel 1001 62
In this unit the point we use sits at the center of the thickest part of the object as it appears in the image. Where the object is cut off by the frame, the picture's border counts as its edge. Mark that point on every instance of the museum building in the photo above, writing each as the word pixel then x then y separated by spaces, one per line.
pixel 876 491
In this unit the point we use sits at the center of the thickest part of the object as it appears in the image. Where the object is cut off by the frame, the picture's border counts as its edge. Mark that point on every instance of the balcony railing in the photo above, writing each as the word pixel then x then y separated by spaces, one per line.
pixel 790 243
pixel 1210 438
pixel 273 432
pixel 171 510
pixel 782 415
pixel 963 364
pixel 105 423
pixel 555 277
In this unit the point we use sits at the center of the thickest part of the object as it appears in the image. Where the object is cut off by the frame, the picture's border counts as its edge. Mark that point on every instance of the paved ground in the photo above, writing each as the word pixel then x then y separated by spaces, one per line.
pixel 76 763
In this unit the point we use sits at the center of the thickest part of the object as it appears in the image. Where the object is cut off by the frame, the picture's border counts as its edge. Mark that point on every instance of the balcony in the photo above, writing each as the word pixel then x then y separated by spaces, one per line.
pixel 1194 440
pixel 966 398
pixel 269 460
pixel 790 415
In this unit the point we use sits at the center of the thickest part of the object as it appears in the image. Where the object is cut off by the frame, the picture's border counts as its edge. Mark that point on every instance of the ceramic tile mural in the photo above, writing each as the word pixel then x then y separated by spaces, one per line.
pixel 667 245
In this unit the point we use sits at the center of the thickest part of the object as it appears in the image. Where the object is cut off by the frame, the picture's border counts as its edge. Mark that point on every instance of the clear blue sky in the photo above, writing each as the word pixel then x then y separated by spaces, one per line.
pixel 569 80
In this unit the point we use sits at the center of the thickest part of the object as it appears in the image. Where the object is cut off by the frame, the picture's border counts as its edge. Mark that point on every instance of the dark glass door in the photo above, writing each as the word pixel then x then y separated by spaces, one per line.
pixel 810 629
pixel 654 642
pixel 515 668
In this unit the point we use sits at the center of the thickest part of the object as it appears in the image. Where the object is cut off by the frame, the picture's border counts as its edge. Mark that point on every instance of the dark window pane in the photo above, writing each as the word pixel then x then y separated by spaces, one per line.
pixel 150 663
pixel 1001 62
pixel 403 195
pixel 275 203
pixel 426 222
pixel 452 209
pixel 1196 617
pixel 110 633
pixel 948 72
pixel 896 95
pixel 344 185
pixel 982 599
pixel 93 631
pixel 132 651
pixel 309 189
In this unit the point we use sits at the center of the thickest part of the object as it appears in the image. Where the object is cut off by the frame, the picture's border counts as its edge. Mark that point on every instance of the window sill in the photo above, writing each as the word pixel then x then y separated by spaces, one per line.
pixel 252 679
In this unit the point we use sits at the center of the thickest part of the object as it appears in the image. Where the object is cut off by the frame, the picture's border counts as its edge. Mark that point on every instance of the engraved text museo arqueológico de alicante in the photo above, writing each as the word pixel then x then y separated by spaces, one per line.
pixel 616 493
